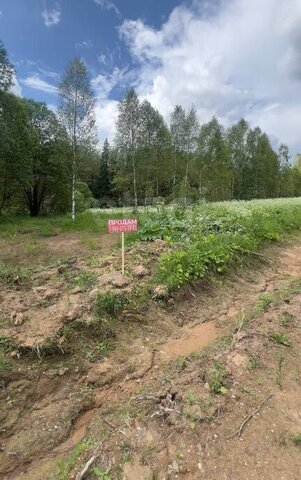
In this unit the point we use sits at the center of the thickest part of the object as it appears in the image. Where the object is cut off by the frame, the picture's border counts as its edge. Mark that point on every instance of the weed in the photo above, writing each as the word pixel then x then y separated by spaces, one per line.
pixel 218 378
pixel 280 339
pixel 64 467
pixel 3 321
pixel 263 302
pixel 192 399
pixel 110 303
pixel 91 242
pixel 253 362
pixel 101 473
pixel 86 279
pixel 13 275
pixel 285 319
pixel 127 457
pixel 296 439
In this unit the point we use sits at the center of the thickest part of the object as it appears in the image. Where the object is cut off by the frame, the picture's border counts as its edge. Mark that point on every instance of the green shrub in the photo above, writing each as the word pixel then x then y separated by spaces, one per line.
pixel 110 303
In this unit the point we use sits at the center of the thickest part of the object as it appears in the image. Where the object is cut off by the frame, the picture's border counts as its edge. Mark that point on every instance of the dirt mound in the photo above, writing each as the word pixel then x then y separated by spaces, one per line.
pixel 170 399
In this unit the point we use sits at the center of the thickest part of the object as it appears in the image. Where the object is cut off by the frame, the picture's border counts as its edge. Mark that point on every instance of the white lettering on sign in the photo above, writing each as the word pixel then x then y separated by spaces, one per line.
pixel 122 225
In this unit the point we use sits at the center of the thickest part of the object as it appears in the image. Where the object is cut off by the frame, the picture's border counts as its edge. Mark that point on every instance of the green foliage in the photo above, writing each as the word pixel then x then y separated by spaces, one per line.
pixel 280 339
pixel 6 346
pixel 64 467
pixel 218 378
pixel 209 238
pixel 296 439
pixel 101 473
pixel 13 275
pixel 110 303
pixel 86 279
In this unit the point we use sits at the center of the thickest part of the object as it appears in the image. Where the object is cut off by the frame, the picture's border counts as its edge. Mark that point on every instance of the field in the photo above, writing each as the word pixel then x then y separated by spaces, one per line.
pixel 186 367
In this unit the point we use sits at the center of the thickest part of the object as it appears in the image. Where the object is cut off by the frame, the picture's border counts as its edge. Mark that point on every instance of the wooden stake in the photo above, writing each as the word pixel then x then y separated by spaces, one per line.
pixel 122 248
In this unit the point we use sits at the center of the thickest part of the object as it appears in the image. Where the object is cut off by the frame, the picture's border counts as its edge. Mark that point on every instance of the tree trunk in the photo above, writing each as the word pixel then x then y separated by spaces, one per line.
pixel 73 205
pixel 135 184
pixel 174 175
pixel 185 182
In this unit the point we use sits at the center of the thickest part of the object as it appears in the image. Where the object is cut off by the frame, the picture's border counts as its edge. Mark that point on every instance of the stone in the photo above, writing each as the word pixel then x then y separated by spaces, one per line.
pixel 73 314
pixel 140 271
pixel 62 371
pixel 121 281
pixel 98 370
pixel 72 260
pixel 17 318
pixel 135 471
pixel 76 290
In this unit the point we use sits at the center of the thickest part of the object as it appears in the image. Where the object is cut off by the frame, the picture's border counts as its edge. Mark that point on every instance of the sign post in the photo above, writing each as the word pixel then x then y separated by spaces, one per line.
pixel 122 252
pixel 122 226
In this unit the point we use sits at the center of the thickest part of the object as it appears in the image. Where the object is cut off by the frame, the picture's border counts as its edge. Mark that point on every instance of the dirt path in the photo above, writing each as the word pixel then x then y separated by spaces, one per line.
pixel 164 401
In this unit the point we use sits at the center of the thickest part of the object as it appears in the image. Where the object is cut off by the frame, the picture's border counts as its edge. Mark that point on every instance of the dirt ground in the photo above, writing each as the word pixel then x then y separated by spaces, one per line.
pixel 204 386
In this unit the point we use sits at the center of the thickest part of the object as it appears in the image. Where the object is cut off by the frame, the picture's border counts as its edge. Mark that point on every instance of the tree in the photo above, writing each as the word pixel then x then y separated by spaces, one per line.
pixel 76 111
pixel 177 132
pixel 153 142
pixel 101 183
pixel 213 165
pixel 128 136
pixel 15 147
pixel 45 168
pixel 236 142
pixel 191 132
pixel 6 70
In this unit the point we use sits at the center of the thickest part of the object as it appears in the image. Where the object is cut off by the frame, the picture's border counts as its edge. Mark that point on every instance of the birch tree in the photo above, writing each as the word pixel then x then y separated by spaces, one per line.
pixel 128 132
pixel 76 111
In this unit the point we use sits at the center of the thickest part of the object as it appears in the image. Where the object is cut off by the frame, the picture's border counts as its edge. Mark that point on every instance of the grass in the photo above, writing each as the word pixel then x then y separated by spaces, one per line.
pixel 85 280
pixel 218 378
pixel 11 275
pixel 110 303
pixel 64 467
pixel 280 339
pixel 296 439
pixel 210 238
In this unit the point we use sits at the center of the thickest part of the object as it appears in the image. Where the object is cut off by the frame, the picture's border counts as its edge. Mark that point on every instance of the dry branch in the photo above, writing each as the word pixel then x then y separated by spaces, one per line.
pixel 246 420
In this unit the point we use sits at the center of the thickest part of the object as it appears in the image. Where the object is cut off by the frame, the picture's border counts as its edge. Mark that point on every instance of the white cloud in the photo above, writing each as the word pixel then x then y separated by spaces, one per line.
pixel 240 59
pixel 106 112
pixel 108 5
pixel 84 44
pixel 37 83
pixel 102 58
pixel 52 107
pixel 16 87
pixel 104 84
pixel 51 16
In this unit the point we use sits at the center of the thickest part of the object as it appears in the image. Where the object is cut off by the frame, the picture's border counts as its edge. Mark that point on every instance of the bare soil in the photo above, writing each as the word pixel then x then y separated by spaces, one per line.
pixel 147 409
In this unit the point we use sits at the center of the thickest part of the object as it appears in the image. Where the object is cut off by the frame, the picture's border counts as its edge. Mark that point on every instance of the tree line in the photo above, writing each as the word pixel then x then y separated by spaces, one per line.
pixel 51 162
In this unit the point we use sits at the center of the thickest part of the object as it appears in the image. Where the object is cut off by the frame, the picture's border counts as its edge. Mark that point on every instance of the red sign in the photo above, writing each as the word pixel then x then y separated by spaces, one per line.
pixel 122 225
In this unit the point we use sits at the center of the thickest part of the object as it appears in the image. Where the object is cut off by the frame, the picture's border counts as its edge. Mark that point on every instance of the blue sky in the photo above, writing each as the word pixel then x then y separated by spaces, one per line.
pixel 229 58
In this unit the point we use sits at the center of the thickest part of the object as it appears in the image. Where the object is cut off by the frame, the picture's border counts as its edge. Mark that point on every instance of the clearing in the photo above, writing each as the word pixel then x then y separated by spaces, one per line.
pixel 164 390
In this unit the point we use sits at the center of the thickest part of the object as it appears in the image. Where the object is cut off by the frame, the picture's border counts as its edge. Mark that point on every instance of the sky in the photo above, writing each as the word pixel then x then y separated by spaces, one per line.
pixel 228 58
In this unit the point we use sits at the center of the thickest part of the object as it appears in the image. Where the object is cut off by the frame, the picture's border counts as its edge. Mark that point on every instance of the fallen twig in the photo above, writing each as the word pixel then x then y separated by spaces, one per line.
pixel 142 398
pixel 111 425
pixel 89 463
pixel 193 295
pixel 244 423
pixel 92 459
